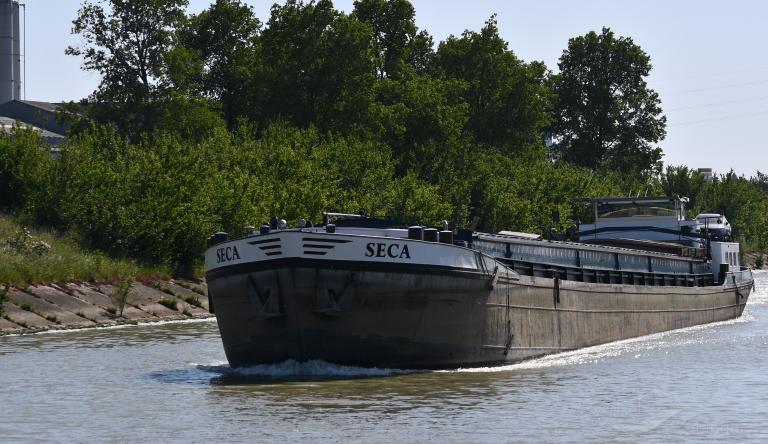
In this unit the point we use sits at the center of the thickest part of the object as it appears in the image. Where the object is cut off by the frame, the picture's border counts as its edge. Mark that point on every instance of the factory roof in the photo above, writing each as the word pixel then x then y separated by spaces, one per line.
pixel 8 123
pixel 39 114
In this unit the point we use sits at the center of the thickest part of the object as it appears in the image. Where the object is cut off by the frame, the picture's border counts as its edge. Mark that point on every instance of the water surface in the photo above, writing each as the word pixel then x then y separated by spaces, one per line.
pixel 170 383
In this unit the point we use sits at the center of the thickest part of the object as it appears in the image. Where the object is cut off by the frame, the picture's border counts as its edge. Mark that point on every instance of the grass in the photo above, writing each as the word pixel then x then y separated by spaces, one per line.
pixel 168 303
pixel 162 287
pixel 190 287
pixel 191 300
pixel 64 261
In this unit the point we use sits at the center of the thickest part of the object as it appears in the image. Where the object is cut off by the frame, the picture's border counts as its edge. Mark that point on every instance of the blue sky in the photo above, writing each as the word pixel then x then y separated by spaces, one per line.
pixel 708 58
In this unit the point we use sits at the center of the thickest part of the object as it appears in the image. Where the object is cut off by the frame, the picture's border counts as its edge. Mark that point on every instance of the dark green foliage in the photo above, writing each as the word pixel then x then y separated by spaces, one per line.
pixel 212 122
pixel 27 173
pixel 319 66
pixel 418 118
pixel 606 116
pixel 508 100
pixel 159 199
pixel 395 43
pixel 218 57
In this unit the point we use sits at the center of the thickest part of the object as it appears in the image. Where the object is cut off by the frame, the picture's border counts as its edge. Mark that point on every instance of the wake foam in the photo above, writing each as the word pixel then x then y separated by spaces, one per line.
pixel 292 369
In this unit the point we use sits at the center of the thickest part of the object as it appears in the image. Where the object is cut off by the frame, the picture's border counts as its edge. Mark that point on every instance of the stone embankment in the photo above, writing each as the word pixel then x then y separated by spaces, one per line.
pixel 82 305
pixel 752 260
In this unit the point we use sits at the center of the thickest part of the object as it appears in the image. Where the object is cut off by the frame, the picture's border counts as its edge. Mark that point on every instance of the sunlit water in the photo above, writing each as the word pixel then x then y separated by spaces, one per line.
pixel 170 382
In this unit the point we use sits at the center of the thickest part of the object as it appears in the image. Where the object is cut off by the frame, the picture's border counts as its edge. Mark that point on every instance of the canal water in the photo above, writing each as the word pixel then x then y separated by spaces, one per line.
pixel 170 383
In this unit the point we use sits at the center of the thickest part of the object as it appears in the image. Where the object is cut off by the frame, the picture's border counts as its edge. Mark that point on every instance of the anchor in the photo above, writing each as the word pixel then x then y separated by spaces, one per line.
pixel 266 304
pixel 328 300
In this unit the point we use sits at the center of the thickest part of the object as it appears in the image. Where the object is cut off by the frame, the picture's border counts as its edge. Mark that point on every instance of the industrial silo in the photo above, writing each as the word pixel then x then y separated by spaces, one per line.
pixel 10 51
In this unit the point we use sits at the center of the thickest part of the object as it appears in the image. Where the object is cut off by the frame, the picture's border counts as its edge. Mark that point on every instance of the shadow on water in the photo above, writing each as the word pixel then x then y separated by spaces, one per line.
pixel 315 383
pixel 221 374
pixel 394 393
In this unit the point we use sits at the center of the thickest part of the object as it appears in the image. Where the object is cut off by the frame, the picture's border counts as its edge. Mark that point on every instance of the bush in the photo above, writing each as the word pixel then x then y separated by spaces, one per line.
pixel 3 298
pixel 23 243
pixel 120 295
pixel 27 174
pixel 159 199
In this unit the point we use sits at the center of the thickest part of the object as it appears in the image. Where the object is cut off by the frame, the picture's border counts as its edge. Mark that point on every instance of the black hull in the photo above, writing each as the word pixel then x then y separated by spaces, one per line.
pixel 417 317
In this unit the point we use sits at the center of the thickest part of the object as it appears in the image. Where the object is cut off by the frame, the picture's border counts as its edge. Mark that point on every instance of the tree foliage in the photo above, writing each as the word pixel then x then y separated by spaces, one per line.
pixel 395 43
pixel 125 42
pixel 508 99
pixel 606 116
pixel 218 57
pixel 213 122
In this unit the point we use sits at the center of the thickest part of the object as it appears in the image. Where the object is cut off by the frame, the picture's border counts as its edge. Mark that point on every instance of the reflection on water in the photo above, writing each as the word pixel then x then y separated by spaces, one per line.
pixel 171 383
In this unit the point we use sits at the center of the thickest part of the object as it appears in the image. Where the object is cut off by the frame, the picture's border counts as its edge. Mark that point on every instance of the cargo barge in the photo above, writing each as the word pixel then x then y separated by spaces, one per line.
pixel 370 292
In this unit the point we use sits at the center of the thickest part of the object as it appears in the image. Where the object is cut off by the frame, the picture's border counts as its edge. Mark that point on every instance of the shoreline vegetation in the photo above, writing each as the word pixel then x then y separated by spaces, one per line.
pixel 49 282
pixel 32 256
pixel 215 121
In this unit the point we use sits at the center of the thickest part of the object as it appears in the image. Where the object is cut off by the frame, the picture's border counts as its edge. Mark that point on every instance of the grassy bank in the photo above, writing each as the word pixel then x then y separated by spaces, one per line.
pixel 29 256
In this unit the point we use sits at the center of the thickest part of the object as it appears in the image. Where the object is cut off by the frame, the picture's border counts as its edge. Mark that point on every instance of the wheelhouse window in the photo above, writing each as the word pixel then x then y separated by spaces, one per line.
pixel 615 210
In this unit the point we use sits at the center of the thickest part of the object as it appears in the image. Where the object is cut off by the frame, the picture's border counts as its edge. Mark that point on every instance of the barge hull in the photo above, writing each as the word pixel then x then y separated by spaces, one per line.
pixel 430 318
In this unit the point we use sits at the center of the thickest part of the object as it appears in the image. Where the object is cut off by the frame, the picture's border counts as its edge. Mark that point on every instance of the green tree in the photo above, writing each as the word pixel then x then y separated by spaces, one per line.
pixel 225 38
pixel 508 99
pixel 418 117
pixel 394 30
pixel 125 42
pixel 682 181
pixel 318 66
pixel 606 116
